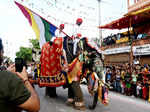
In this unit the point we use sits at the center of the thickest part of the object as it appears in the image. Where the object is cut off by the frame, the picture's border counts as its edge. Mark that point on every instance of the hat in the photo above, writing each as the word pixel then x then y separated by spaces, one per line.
pixel 79 21
pixel 61 25
pixel 79 35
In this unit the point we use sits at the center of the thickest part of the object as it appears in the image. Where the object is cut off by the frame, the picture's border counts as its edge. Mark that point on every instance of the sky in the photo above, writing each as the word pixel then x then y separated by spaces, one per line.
pixel 15 30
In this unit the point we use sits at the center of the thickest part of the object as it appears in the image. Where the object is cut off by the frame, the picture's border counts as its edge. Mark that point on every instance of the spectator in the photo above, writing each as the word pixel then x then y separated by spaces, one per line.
pixel 118 78
pixel 139 89
pixel 108 76
pixel 122 82
pixel 16 91
pixel 35 72
pixel 134 80
pixel 132 83
pixel 127 82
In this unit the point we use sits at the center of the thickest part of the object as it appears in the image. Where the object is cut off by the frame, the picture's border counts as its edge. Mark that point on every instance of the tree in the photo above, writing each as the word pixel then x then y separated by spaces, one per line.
pixel 35 43
pixel 35 49
pixel 25 53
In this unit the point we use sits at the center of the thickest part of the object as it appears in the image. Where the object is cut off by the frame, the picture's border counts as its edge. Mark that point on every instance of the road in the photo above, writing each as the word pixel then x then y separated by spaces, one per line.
pixel 118 102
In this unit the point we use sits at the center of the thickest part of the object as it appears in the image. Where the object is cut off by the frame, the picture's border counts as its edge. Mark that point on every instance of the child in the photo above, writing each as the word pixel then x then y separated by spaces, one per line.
pixel 139 89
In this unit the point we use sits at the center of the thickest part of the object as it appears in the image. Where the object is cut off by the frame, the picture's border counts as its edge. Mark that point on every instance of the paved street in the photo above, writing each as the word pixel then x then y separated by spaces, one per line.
pixel 118 103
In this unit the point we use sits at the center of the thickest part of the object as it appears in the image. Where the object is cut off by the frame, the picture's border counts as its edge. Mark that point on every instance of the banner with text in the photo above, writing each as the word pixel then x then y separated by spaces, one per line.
pixel 117 50
pixel 141 50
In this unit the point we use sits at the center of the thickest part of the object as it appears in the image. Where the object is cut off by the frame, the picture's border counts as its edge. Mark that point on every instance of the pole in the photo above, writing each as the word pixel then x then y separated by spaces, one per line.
pixel 131 43
pixel 128 3
pixel 99 18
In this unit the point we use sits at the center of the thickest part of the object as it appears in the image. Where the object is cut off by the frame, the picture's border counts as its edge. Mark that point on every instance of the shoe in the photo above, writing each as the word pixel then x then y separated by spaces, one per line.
pixel 82 108
pixel 79 106
pixel 69 103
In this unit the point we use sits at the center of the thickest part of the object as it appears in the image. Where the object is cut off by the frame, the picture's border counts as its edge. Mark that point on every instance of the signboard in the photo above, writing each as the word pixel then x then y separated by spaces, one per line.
pixel 122 40
pixel 141 50
pixel 141 42
pixel 117 50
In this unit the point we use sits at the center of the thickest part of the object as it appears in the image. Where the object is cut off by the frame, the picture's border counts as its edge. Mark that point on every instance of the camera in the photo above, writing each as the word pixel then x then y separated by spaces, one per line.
pixel 19 63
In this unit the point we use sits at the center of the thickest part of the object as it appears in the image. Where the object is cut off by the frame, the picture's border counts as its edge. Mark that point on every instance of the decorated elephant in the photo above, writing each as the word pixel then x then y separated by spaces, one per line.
pixel 88 61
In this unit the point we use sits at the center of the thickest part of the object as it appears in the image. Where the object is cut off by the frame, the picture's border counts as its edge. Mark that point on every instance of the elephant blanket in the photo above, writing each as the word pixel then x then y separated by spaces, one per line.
pixel 50 59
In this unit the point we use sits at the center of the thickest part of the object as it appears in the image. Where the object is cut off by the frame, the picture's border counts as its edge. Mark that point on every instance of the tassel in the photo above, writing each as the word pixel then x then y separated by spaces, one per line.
pixel 149 95
pixel 100 92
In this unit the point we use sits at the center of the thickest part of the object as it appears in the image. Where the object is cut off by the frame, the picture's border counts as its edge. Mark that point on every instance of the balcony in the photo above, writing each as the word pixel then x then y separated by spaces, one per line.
pixel 138 4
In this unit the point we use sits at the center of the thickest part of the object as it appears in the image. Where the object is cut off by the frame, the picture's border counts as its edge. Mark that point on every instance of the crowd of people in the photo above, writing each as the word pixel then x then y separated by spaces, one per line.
pixel 135 83
pixel 112 39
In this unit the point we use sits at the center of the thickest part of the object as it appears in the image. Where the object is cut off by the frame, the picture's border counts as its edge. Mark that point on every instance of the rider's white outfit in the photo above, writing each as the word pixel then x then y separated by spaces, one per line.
pixel 58 33
pixel 76 40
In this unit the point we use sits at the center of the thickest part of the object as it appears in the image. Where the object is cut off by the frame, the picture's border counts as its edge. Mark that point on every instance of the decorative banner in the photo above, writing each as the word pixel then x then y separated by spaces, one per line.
pixel 117 50
pixel 141 50
pixel 48 8
pixel 43 10
pixel 66 13
pixel 44 31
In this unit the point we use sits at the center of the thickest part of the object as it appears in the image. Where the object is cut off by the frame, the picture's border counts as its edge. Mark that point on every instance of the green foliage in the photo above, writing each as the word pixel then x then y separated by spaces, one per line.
pixel 25 53
pixel 35 43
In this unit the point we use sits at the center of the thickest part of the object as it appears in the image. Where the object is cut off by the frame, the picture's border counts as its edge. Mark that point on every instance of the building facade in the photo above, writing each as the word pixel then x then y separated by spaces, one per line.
pixel 135 44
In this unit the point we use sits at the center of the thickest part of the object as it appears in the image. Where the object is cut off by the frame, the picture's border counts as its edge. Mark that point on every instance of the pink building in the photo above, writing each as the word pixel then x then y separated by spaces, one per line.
pixel 134 5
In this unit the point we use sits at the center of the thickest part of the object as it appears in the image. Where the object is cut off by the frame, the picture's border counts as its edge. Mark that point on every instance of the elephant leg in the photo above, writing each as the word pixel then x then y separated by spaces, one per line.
pixel 79 103
pixel 94 101
pixel 51 92
pixel 70 100
pixel 78 95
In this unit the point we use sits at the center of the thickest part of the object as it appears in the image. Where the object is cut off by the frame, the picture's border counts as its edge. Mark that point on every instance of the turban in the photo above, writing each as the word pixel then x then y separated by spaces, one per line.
pixel 61 25
pixel 79 35
pixel 79 21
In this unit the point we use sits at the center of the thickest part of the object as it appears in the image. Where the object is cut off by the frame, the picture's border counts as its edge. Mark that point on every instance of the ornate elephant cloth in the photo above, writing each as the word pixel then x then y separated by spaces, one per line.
pixel 92 83
pixel 149 92
pixel 51 74
pixel 75 70
pixel 103 94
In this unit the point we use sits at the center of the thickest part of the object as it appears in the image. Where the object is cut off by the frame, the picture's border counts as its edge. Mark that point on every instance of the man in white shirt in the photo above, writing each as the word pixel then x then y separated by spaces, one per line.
pixel 59 32
pixel 76 34
pixel 75 41
pixel 77 27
